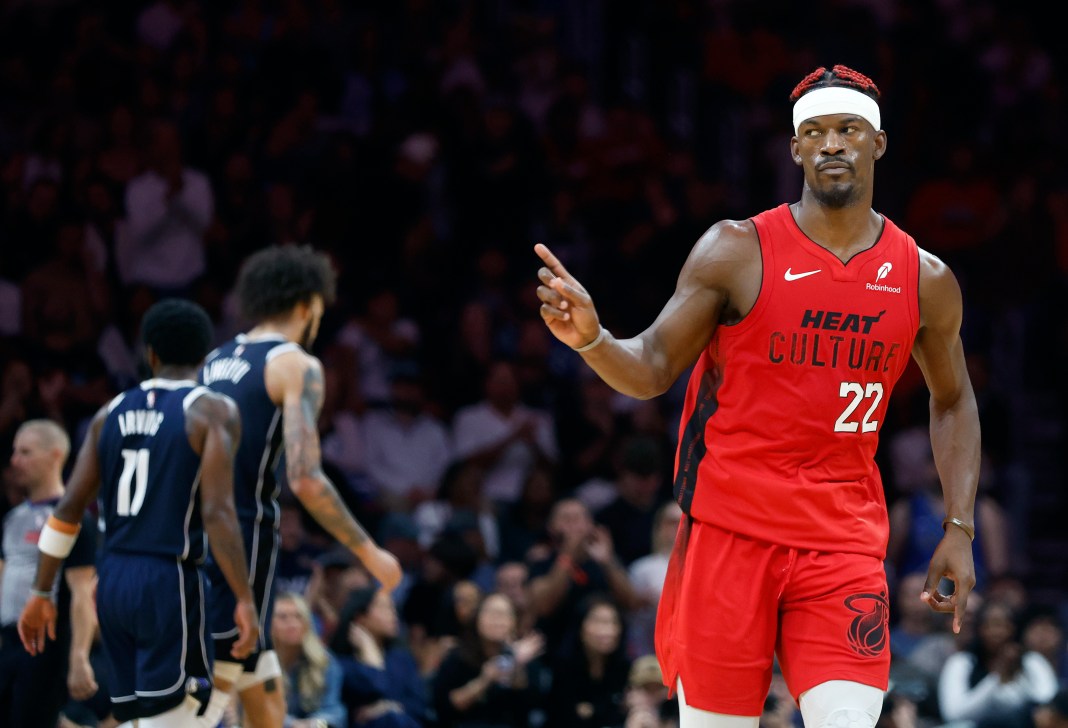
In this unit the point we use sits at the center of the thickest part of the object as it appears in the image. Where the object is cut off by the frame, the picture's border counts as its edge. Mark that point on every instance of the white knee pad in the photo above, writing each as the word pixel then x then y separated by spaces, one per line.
pixel 267 667
pixel 217 705
pixel 182 716
pixel 690 717
pixel 228 672
pixel 841 704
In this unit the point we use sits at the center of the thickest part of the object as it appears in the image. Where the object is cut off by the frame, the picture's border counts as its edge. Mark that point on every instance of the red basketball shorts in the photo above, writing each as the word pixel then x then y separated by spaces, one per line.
pixel 731 604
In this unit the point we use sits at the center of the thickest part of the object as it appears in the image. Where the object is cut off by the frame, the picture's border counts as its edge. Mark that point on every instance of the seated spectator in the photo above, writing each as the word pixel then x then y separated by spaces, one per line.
pixel 1042 631
pixel 512 579
pixel 312 674
pixel 916 518
pixel 591 671
pixel 583 562
pixel 381 685
pixel 647 577
pixel 460 491
pixel 647 697
pixel 640 490
pixel 523 525
pixel 392 432
pixel 994 682
pixel 430 632
pixel 484 681
pixel 296 553
pixel 334 574
pixel 504 435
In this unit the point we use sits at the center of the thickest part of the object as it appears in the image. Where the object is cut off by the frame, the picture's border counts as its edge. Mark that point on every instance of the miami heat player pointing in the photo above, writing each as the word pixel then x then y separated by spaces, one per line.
pixel 798 322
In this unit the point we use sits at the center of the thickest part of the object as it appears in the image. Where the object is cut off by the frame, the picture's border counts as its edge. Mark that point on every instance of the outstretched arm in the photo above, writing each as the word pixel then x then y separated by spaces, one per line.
pixel 648 364
pixel 955 435
pixel 214 427
pixel 296 380
pixel 38 617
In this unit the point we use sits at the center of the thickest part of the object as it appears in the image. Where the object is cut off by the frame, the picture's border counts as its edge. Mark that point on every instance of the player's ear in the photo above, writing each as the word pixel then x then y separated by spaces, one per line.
pixel 152 359
pixel 880 144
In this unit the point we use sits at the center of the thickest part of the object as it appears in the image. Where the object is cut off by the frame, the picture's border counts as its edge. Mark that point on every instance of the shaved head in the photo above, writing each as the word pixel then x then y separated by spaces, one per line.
pixel 50 436
pixel 40 450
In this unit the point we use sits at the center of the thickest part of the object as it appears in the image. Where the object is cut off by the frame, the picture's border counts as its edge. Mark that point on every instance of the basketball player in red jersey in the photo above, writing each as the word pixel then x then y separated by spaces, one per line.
pixel 797 322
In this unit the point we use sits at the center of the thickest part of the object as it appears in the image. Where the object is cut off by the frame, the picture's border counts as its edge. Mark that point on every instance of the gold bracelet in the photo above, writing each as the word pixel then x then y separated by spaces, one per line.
pixel 970 530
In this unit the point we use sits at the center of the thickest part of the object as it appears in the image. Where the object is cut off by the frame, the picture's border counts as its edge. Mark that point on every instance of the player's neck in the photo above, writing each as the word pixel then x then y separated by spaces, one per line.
pixel 177 373
pixel 840 230
pixel 290 329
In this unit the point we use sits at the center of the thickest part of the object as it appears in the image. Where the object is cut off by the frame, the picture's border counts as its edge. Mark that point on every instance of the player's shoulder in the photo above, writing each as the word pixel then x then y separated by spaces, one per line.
pixel 728 240
pixel 291 357
pixel 210 404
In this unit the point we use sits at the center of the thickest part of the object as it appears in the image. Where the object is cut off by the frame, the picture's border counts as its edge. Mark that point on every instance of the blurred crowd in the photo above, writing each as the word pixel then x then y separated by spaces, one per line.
pixel 146 148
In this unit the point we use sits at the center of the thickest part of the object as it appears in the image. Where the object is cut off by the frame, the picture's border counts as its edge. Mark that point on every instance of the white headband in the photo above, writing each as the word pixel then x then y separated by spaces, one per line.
pixel 836 100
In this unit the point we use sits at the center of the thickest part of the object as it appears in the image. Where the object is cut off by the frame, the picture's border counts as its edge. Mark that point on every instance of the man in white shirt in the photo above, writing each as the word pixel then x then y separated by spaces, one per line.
pixel 407 448
pixel 169 206
pixel 504 435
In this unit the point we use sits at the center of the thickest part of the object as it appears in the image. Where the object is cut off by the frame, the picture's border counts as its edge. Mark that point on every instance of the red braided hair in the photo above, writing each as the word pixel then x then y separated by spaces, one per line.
pixel 839 75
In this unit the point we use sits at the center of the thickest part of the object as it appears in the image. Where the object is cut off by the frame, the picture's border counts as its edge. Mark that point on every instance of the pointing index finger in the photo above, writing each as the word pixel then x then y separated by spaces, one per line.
pixel 552 262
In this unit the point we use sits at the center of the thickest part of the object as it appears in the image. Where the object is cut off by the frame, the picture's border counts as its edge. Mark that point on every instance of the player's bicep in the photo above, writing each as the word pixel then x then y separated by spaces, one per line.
pixel 84 481
pixel 302 400
pixel 938 349
pixel 221 437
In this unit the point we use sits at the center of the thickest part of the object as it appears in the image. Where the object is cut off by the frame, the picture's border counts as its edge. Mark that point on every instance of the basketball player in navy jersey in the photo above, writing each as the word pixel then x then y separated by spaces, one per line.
pixel 159 459
pixel 278 386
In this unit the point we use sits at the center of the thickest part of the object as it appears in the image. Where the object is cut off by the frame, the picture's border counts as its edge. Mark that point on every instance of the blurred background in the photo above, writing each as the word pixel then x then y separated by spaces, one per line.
pixel 147 148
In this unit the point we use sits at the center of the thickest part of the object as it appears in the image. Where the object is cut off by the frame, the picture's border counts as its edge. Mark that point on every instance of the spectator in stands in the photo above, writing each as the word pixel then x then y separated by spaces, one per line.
pixel 312 674
pixel 583 562
pixel 590 672
pixel 995 681
pixel 296 552
pixel 168 209
pixel 504 435
pixel 640 491
pixel 1042 632
pixel 483 681
pixel 647 577
pixel 460 493
pixel 523 525
pixel 382 687
pixel 393 432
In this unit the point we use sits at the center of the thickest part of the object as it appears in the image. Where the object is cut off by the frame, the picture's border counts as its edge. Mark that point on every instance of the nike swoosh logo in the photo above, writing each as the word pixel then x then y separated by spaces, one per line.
pixel 794 276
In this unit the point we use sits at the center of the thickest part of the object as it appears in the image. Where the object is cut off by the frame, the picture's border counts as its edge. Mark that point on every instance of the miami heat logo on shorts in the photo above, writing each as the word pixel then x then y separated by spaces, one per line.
pixel 868 632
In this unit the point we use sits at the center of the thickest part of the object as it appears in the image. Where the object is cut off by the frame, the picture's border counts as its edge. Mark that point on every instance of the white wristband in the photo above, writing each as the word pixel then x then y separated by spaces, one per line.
pixel 56 543
pixel 595 342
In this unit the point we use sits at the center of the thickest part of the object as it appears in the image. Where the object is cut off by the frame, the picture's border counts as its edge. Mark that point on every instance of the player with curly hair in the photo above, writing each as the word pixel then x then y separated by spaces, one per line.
pixel 278 386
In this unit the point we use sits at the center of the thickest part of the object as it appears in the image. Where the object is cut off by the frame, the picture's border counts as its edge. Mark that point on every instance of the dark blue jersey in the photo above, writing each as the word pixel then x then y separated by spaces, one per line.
pixel 237 370
pixel 149 473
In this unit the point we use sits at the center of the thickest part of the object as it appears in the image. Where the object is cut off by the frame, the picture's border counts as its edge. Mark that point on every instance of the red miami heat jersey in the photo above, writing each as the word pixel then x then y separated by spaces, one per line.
pixel 782 415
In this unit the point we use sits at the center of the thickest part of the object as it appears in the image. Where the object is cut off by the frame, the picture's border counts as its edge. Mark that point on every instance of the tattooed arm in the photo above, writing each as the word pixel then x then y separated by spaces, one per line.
pixel 295 379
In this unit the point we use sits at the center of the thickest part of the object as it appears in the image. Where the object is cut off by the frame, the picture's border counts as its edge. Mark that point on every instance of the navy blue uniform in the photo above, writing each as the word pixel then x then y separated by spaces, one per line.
pixel 237 370
pixel 152 547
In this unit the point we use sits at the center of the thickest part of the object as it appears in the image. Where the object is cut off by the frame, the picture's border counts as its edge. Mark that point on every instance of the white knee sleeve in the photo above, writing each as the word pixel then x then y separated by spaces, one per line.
pixel 213 714
pixel 696 718
pixel 267 667
pixel 182 716
pixel 841 704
